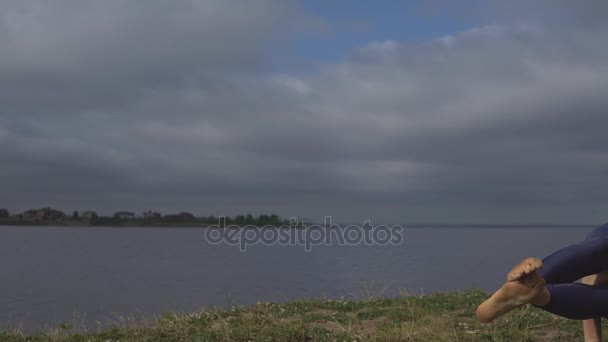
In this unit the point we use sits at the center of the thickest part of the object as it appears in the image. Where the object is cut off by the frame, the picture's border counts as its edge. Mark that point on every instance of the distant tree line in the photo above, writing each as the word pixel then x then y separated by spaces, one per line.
pixel 50 216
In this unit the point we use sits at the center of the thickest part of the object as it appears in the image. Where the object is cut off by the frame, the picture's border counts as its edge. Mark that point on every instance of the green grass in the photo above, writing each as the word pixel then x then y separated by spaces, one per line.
pixel 435 317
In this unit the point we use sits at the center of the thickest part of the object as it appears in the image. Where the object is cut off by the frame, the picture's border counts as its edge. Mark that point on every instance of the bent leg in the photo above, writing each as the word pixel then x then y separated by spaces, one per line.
pixel 526 282
pixel 576 261
pixel 577 301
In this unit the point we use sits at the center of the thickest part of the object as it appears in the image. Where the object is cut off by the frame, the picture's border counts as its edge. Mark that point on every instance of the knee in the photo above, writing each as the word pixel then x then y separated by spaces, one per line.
pixel 596 279
pixel 590 280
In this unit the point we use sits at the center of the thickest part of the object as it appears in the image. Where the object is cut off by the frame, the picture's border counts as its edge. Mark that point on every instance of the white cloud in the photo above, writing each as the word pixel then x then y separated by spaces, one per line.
pixel 170 101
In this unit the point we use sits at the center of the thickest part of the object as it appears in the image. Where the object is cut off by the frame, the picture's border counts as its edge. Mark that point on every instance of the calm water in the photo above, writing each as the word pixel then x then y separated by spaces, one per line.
pixel 51 275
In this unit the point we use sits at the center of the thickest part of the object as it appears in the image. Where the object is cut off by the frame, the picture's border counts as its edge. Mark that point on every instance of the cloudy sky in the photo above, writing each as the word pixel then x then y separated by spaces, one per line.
pixel 398 111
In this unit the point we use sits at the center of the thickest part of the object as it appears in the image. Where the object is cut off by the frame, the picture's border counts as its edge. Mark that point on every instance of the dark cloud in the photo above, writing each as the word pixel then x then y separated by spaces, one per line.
pixel 162 105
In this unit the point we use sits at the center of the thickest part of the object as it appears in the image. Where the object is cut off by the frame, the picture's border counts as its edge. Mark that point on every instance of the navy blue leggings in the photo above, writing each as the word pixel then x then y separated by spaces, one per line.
pixel 562 268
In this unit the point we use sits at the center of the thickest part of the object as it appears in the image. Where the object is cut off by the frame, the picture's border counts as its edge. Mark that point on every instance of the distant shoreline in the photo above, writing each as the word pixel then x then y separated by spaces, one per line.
pixel 149 218
pixel 170 225
pixel 85 225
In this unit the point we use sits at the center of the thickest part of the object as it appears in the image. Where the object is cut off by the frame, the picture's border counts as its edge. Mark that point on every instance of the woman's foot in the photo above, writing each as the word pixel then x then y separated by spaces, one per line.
pixel 524 268
pixel 526 287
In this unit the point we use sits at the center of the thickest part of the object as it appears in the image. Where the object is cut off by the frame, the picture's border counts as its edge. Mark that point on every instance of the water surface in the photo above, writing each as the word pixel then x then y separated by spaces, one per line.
pixel 52 274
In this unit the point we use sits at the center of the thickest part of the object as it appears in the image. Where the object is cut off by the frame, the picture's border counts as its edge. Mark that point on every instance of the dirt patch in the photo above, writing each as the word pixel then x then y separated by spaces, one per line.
pixel 370 326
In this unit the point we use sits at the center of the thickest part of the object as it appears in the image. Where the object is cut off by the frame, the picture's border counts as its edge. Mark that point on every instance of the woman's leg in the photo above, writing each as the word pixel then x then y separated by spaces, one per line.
pixel 526 282
pixel 577 301
pixel 592 327
pixel 576 261
pixel 582 260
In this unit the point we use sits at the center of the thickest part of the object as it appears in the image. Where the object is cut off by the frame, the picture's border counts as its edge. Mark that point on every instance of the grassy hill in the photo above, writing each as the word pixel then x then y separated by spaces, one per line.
pixel 435 317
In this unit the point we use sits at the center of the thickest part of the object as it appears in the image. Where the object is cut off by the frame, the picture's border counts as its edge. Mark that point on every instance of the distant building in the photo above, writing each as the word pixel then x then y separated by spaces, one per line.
pixel 4 213
pixel 152 214
pixel 124 215
pixel 88 215
pixel 30 215
pixel 186 216
pixel 181 217
pixel 44 214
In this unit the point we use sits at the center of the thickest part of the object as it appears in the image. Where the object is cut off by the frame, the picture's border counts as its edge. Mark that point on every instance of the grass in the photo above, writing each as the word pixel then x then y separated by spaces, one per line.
pixel 435 317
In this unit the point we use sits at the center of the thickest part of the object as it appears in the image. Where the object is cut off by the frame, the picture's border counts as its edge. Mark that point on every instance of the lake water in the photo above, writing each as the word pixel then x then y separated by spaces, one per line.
pixel 54 274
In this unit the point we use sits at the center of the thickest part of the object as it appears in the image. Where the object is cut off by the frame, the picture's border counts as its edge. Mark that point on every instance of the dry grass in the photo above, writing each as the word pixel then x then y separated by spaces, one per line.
pixel 435 317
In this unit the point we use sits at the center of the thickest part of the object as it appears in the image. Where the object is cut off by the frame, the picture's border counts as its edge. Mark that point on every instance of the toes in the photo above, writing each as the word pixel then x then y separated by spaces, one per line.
pixel 513 276
pixel 526 267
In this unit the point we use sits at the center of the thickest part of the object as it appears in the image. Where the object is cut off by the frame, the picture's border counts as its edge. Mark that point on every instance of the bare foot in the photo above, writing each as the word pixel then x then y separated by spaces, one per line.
pixel 529 288
pixel 524 268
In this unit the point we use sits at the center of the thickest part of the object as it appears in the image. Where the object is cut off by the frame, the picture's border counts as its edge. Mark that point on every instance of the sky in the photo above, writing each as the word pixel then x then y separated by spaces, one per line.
pixel 395 111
